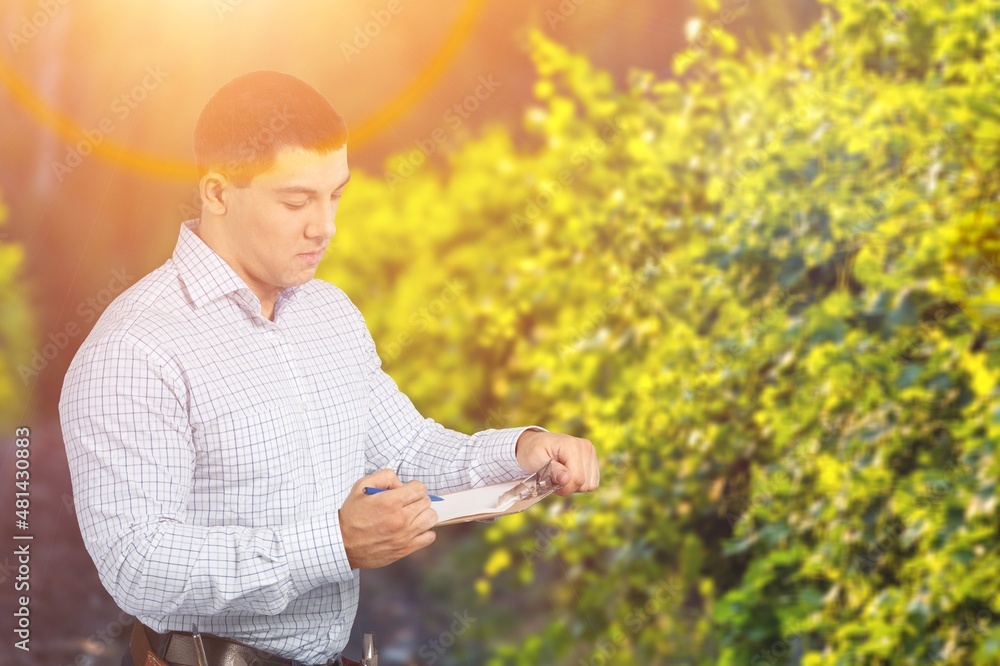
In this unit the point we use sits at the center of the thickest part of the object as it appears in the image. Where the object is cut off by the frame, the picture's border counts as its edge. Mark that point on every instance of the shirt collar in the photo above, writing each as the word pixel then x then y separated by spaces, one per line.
pixel 207 276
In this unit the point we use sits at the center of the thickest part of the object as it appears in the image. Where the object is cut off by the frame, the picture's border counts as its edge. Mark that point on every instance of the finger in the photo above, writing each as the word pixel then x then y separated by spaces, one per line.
pixel 562 477
pixel 414 509
pixel 584 467
pixel 404 495
pixel 592 474
pixel 577 465
pixel 596 470
pixel 412 491
pixel 587 458
pixel 425 520
pixel 580 462
pixel 384 478
pixel 595 475
pixel 422 540
pixel 591 479
pixel 420 522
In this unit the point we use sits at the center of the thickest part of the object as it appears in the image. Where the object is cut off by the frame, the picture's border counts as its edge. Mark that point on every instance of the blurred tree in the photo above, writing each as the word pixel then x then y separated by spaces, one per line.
pixel 16 332
pixel 769 295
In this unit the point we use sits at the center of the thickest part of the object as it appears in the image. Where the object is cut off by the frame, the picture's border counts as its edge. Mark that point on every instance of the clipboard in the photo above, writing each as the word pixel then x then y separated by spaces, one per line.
pixel 497 500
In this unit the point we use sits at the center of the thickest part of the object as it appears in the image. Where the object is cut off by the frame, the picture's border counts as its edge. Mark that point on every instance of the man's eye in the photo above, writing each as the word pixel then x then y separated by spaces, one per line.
pixel 294 206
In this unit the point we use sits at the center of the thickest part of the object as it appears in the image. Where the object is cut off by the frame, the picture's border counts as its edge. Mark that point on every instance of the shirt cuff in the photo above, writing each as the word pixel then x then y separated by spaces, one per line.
pixel 496 454
pixel 316 555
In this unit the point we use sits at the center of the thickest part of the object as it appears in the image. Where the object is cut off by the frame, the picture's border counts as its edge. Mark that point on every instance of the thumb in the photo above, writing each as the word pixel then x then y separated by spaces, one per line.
pixel 384 478
pixel 560 473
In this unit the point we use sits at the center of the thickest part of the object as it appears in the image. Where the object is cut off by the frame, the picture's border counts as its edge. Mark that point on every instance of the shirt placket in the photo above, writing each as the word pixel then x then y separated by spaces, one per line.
pixel 298 403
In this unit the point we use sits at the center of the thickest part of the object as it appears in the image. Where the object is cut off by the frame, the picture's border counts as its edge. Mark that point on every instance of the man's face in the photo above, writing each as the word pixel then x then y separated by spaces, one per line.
pixel 279 226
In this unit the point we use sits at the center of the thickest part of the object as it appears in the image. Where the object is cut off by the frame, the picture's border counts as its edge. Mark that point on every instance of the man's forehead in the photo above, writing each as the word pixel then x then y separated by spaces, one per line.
pixel 302 167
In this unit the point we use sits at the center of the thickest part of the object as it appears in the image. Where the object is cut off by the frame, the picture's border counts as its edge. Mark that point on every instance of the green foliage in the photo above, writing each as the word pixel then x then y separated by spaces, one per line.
pixel 15 328
pixel 770 295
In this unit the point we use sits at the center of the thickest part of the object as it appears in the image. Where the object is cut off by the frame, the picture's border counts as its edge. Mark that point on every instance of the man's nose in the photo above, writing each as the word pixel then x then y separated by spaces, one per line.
pixel 322 226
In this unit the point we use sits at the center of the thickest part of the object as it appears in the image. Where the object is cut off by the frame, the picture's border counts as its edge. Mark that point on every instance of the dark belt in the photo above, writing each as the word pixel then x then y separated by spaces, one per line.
pixel 177 649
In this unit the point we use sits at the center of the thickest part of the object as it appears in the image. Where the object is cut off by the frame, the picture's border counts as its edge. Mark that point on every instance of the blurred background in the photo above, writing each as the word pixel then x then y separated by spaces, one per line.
pixel 749 249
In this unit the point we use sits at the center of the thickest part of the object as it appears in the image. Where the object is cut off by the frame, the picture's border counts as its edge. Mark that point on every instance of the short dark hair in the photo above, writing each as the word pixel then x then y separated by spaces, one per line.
pixel 252 117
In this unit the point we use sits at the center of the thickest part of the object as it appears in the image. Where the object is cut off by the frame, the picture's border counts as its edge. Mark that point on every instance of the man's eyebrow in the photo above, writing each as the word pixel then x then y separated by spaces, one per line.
pixel 295 189
pixel 301 189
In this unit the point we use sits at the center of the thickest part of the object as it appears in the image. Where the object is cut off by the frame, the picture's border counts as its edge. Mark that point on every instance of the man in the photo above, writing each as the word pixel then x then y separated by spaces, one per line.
pixel 226 412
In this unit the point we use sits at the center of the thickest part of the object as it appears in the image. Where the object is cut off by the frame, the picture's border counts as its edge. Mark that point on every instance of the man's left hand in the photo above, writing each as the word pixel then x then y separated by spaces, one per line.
pixel 575 466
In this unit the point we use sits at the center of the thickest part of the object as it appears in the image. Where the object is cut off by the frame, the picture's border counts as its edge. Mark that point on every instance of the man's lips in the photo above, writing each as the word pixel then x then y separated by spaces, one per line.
pixel 313 257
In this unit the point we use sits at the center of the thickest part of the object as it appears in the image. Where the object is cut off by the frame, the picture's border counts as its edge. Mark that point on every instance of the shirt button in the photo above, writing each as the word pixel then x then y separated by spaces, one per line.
pixel 305 406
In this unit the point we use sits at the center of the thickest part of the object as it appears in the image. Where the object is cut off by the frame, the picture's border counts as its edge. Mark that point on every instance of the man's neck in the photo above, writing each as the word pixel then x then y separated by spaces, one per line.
pixel 267 311
pixel 267 297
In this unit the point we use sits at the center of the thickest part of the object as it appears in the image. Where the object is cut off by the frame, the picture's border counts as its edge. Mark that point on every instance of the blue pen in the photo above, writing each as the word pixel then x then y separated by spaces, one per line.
pixel 372 491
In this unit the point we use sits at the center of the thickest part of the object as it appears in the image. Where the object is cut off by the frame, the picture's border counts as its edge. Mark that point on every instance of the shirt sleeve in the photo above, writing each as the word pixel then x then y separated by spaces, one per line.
pixel 419 448
pixel 132 463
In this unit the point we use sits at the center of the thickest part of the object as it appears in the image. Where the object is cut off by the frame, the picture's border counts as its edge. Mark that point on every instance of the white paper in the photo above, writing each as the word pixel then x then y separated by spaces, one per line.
pixel 478 503
pixel 472 502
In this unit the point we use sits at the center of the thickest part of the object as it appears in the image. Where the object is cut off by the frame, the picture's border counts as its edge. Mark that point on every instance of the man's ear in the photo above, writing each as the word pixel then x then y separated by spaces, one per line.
pixel 213 188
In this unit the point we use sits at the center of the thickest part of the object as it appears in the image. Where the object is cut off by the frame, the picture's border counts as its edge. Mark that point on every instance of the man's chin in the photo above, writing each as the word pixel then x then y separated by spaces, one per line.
pixel 301 277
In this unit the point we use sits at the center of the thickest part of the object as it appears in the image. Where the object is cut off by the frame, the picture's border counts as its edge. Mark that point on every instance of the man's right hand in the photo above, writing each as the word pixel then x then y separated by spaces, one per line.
pixel 380 529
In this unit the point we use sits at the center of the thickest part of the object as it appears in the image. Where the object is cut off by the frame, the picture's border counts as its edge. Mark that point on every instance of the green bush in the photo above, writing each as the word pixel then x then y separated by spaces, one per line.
pixel 15 329
pixel 769 293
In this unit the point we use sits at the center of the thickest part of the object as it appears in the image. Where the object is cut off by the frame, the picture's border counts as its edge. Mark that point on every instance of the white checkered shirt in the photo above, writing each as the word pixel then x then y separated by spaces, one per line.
pixel 210 450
